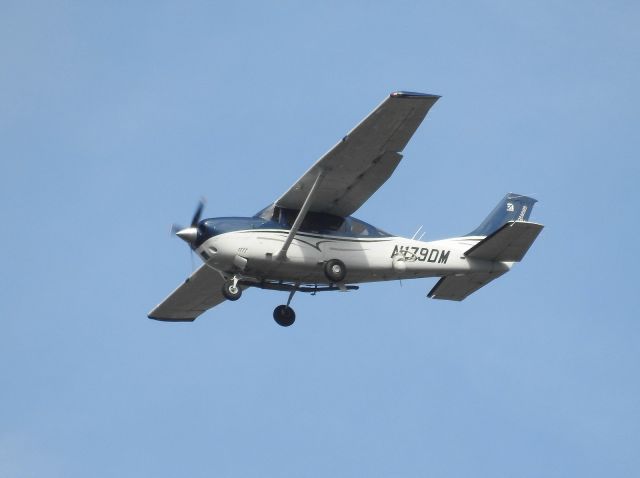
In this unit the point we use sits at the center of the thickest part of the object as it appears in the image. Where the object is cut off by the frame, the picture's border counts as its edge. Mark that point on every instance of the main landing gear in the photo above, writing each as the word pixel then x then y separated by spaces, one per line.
pixel 283 314
pixel 334 270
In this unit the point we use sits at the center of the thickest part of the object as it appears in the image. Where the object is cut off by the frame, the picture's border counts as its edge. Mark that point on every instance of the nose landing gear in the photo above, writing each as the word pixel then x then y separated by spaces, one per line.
pixel 230 289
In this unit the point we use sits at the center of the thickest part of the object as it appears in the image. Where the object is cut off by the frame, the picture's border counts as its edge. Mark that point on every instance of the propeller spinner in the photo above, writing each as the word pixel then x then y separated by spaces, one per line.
pixel 189 234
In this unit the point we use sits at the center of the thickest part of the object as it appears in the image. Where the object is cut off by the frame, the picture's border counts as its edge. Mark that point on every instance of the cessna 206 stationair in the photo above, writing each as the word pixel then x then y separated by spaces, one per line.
pixel 307 240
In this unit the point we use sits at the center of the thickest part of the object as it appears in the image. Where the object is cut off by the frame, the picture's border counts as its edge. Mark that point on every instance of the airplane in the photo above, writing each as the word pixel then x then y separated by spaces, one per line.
pixel 308 241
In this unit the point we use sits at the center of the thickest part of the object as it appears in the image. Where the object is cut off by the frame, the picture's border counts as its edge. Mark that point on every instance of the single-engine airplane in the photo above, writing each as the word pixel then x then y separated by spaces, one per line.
pixel 308 240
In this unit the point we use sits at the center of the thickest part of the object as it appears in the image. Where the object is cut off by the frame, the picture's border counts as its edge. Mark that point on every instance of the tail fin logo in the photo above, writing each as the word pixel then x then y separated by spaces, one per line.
pixel 513 207
pixel 522 213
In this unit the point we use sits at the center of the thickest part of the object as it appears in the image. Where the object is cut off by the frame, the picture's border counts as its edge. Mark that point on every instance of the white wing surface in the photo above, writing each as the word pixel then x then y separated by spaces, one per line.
pixel 364 159
pixel 200 292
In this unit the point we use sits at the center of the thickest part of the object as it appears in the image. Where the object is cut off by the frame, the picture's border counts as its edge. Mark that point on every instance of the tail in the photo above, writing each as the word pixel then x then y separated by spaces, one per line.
pixel 508 236
pixel 513 207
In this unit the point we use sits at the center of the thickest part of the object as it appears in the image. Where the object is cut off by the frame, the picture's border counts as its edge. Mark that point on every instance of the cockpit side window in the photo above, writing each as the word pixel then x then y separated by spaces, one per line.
pixel 319 223
pixel 359 228
pixel 314 222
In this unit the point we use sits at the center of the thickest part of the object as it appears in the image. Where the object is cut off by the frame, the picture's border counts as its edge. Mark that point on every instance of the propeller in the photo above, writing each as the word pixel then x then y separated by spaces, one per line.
pixel 196 216
pixel 189 234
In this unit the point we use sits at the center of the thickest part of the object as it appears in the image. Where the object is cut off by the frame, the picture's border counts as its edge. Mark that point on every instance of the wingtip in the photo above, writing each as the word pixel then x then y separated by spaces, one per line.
pixel 164 319
pixel 413 94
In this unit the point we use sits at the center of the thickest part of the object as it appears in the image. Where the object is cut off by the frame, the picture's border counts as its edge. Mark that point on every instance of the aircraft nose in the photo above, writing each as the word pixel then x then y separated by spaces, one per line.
pixel 188 234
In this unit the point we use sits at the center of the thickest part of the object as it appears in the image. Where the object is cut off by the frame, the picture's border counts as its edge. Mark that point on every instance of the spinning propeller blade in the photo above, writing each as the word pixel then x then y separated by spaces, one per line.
pixel 175 228
pixel 189 234
pixel 198 213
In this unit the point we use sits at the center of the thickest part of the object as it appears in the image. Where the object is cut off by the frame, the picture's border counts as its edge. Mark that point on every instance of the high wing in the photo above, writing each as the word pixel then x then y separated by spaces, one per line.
pixel 200 292
pixel 364 159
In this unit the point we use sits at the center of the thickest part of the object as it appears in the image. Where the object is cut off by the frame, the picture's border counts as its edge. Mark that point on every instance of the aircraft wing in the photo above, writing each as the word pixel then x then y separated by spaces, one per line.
pixel 460 287
pixel 200 292
pixel 364 159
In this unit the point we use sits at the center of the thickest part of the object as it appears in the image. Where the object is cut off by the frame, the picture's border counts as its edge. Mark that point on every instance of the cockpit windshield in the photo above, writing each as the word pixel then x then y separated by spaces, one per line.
pixel 212 227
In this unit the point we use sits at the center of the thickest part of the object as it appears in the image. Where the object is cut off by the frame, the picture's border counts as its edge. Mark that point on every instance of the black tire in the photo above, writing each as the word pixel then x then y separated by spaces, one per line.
pixel 230 292
pixel 335 270
pixel 284 315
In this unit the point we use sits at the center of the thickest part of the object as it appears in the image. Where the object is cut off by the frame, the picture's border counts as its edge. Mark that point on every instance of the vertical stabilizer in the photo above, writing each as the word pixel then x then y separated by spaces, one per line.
pixel 513 207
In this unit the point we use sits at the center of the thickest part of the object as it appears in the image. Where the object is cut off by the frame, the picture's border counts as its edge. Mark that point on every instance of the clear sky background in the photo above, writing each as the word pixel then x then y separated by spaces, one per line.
pixel 115 117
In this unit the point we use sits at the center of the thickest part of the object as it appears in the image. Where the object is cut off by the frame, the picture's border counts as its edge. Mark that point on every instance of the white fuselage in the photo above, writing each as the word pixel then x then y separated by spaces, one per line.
pixel 252 253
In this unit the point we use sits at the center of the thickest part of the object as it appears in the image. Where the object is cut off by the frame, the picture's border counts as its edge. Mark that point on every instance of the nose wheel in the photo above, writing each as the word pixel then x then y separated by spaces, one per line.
pixel 231 290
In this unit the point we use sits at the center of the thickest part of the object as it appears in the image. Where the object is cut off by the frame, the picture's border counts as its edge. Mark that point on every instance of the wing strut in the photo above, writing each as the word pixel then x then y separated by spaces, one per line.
pixel 282 255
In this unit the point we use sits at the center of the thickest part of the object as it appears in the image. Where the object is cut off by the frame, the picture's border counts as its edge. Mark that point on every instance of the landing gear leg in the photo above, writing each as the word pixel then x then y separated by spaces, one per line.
pixel 293 291
pixel 283 314
pixel 230 289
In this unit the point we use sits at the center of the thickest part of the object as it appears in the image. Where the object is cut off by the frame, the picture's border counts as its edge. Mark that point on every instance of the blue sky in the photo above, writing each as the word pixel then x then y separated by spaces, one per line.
pixel 116 117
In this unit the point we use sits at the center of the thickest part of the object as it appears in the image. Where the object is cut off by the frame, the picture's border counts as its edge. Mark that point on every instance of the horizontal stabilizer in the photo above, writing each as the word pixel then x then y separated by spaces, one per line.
pixel 509 243
pixel 459 287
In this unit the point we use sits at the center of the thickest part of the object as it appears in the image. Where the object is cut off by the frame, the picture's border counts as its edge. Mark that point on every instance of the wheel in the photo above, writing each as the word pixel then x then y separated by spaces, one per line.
pixel 230 291
pixel 335 270
pixel 284 315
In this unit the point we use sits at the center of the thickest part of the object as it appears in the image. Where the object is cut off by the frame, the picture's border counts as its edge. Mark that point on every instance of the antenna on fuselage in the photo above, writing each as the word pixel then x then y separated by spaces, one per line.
pixel 414 236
